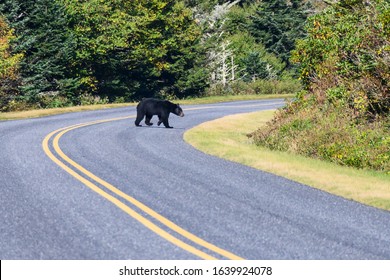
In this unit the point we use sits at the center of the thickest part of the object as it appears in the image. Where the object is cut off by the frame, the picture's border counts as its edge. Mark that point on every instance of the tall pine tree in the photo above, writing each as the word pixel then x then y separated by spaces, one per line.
pixel 48 47
pixel 9 67
pixel 278 24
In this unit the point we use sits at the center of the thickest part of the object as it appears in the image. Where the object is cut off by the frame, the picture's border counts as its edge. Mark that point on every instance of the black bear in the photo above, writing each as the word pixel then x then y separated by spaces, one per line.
pixel 151 106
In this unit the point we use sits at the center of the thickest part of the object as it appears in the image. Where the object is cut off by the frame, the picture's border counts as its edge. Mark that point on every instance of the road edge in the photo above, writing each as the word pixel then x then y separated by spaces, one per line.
pixel 215 138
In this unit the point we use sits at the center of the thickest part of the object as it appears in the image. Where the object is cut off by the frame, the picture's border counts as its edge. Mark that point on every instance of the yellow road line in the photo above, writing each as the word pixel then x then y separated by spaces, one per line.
pixel 132 200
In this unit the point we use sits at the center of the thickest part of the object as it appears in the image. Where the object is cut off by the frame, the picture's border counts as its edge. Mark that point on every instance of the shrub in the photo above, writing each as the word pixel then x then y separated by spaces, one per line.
pixel 329 135
pixel 342 115
pixel 288 86
pixel 346 56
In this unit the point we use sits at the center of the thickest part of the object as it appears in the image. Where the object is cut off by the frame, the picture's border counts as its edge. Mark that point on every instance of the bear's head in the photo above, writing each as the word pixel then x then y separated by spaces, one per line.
pixel 178 110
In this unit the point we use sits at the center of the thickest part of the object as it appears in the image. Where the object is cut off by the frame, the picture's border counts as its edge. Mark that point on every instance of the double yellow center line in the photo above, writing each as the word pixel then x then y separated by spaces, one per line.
pixel 51 142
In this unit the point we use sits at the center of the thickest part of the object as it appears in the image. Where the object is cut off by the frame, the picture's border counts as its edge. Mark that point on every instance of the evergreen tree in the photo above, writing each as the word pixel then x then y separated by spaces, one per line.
pixel 48 48
pixel 278 24
pixel 255 67
pixel 252 58
pixel 9 64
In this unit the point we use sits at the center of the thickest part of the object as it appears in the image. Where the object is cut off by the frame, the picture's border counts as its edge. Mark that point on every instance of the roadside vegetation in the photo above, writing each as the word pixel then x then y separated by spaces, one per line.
pixel 343 113
pixel 227 138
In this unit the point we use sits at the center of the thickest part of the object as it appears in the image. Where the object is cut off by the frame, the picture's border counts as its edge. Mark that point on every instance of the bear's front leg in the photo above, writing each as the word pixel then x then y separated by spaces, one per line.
pixel 147 120
pixel 166 124
pixel 164 119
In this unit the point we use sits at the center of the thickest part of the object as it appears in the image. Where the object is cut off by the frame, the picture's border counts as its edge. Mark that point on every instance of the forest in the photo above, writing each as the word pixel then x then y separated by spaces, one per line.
pixel 58 53
pixel 333 54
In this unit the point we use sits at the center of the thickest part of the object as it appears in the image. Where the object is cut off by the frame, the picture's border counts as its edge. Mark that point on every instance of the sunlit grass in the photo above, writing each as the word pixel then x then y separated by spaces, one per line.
pixel 56 111
pixel 228 98
pixel 226 138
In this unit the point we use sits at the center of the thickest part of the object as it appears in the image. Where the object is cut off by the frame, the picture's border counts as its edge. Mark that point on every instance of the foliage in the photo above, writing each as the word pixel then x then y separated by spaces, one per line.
pixel 133 48
pixel 257 87
pixel 343 114
pixel 253 60
pixel 233 53
pixel 277 24
pixel 104 50
pixel 345 59
pixel 329 135
pixel 47 47
pixel 9 64
pixel 72 52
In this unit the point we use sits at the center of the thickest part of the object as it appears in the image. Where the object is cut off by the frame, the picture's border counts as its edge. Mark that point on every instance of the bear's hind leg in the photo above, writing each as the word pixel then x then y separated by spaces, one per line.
pixel 139 118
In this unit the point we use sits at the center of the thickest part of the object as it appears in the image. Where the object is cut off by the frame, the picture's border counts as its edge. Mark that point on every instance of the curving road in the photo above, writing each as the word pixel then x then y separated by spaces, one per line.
pixel 91 185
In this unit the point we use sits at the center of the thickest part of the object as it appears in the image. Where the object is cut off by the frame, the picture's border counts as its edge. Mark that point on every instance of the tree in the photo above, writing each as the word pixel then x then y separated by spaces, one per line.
pixel 133 49
pixel 231 48
pixel 220 56
pixel 252 59
pixel 255 67
pixel 9 66
pixel 48 48
pixel 115 49
pixel 278 24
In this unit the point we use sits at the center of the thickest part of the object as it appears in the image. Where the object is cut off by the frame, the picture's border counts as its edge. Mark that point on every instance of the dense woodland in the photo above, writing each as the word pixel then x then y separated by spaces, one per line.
pixel 334 54
pixel 68 52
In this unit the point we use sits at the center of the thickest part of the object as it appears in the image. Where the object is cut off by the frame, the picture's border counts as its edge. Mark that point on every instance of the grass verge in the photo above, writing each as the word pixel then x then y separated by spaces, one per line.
pixel 55 111
pixel 191 101
pixel 226 138
pixel 228 98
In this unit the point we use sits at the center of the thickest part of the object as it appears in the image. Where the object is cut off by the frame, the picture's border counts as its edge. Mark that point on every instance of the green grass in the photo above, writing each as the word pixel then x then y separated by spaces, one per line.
pixel 190 101
pixel 226 138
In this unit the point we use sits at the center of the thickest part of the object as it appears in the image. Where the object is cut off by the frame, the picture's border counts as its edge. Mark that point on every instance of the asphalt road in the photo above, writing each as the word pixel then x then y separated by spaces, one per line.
pixel 110 190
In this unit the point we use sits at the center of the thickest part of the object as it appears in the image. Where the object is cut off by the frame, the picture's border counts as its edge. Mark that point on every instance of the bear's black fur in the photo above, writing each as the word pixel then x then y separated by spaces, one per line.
pixel 149 107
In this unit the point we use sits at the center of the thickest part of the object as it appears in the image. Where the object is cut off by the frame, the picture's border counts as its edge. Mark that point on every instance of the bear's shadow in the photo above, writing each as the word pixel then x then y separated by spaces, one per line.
pixel 160 127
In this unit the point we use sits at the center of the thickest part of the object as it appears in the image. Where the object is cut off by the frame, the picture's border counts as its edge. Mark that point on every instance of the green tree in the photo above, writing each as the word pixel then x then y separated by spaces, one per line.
pixel 253 60
pixel 131 49
pixel 255 67
pixel 116 49
pixel 233 52
pixel 9 66
pixel 278 24
pixel 48 48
